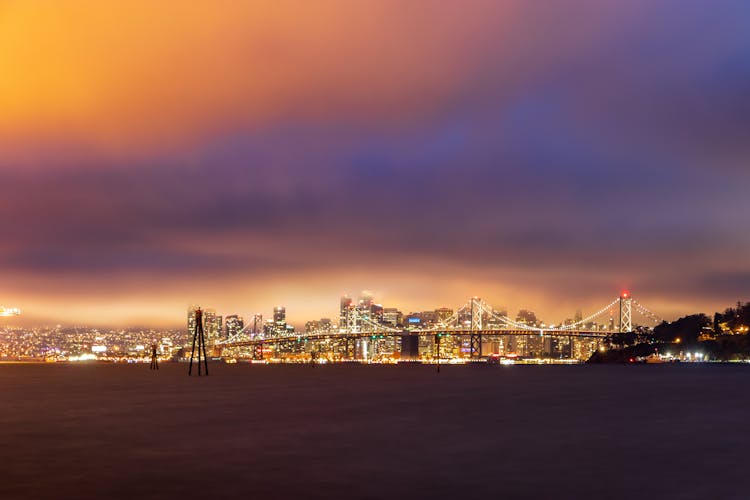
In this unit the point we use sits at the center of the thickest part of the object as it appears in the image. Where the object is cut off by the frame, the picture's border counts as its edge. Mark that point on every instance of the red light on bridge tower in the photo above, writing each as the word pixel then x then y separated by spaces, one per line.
pixel 625 294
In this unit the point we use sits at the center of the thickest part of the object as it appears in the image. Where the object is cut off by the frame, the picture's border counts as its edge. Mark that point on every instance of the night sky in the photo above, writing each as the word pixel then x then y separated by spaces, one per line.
pixel 237 155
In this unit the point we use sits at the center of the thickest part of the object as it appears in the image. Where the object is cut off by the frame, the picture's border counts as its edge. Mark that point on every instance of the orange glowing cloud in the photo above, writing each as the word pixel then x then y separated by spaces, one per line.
pixel 119 74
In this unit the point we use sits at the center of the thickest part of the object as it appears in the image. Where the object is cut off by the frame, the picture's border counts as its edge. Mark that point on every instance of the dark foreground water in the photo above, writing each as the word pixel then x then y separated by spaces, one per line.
pixel 115 431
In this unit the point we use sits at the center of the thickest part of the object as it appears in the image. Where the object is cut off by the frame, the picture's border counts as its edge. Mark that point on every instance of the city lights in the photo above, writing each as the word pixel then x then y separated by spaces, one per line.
pixel 366 331
pixel 9 311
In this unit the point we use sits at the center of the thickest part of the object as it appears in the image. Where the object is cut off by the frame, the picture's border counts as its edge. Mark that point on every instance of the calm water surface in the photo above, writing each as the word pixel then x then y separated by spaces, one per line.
pixel 121 431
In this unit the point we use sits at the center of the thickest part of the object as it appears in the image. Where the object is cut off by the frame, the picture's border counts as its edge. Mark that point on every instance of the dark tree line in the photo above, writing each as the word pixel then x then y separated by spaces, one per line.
pixel 687 329
pixel 732 319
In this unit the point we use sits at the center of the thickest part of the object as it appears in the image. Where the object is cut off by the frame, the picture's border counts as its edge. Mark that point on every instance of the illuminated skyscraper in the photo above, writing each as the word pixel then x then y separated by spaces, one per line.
pixel 364 309
pixel 278 326
pixel 392 317
pixel 527 318
pixel 517 344
pixel 234 325
pixel 376 313
pixel 211 325
pixel 346 313
pixel 322 326
pixel 279 315
pixel 366 299
pixel 191 321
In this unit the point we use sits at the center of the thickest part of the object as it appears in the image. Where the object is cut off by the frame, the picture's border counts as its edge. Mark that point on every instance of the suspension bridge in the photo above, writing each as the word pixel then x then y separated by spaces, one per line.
pixel 475 323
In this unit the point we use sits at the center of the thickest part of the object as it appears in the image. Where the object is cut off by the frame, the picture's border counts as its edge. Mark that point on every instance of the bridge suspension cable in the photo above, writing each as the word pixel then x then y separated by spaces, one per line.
pixel 590 317
pixel 510 322
pixel 237 337
pixel 646 312
pixel 374 324
pixel 453 319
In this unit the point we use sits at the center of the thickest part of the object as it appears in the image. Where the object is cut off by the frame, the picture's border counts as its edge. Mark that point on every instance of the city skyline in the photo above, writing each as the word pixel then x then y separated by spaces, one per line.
pixel 365 311
pixel 244 316
pixel 249 154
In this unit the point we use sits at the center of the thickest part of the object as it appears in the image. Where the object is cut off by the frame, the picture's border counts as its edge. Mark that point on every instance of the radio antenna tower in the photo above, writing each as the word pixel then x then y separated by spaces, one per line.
pixel 200 338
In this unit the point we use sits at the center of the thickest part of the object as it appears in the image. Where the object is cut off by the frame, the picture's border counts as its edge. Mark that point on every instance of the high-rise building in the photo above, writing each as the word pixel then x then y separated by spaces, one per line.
pixel 527 318
pixel 376 313
pixel 366 299
pixel 191 322
pixel 211 325
pixel 364 309
pixel 429 317
pixel 518 344
pixel 279 315
pixel 269 328
pixel 495 320
pixel 347 314
pixel 413 320
pixel 583 348
pixel 257 324
pixel 321 326
pixel 278 326
pixel 443 314
pixel 234 325
pixel 535 346
pixel 392 317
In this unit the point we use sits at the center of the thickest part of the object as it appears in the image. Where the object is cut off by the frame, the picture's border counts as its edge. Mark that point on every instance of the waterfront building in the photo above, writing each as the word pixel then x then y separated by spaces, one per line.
pixel 583 348
pixel 517 345
pixel 557 347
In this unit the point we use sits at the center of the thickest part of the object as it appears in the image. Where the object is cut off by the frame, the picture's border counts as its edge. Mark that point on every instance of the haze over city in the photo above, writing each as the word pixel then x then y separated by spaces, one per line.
pixel 248 154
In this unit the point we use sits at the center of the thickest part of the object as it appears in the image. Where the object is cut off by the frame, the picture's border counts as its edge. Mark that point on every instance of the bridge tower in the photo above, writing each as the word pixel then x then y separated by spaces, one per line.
pixel 475 339
pixel 626 313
